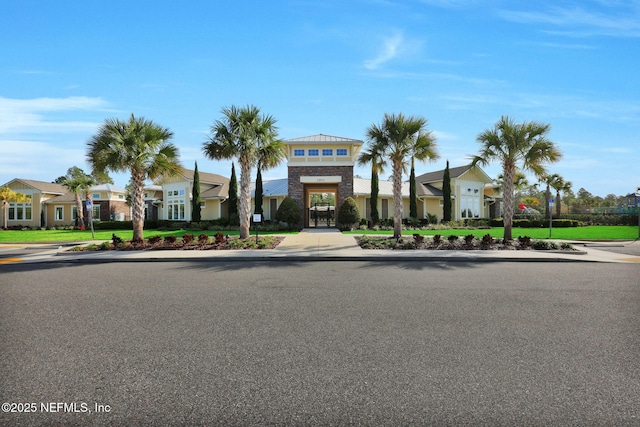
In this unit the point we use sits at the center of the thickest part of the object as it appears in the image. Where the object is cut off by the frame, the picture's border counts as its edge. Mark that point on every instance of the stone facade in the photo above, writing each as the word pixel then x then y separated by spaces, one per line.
pixel 297 188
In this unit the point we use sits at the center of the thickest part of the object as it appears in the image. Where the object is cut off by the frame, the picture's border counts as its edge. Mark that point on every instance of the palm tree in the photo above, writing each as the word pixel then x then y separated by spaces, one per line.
pixel 78 183
pixel 7 195
pixel 560 185
pixel 396 138
pixel 516 145
pixel 140 147
pixel 252 138
pixel 378 163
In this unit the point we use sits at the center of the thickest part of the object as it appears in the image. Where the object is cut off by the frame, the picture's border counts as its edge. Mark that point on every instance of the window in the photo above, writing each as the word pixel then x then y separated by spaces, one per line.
pixel 176 205
pixel 59 213
pixel 19 212
pixel 74 213
pixel 95 196
pixel 313 152
pixel 121 196
pixel 96 212
pixel 327 152
pixel 341 151
pixel 298 153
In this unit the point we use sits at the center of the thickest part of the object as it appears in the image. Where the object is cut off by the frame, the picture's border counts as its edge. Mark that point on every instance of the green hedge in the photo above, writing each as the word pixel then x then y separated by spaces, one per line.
pixel 536 223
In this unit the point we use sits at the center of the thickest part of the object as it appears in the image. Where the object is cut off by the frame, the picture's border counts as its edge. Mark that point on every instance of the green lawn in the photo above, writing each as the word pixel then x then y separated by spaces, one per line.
pixel 55 236
pixel 595 232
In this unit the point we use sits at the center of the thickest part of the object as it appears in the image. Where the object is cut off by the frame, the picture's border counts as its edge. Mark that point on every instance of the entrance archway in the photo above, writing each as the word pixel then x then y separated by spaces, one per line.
pixel 320 205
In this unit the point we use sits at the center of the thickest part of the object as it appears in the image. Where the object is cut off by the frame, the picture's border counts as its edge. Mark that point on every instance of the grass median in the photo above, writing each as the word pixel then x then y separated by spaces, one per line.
pixel 589 233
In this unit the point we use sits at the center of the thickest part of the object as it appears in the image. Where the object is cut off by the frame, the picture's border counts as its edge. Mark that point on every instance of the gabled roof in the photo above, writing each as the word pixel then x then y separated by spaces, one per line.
pixel 456 172
pixel 205 177
pixel 108 187
pixel 218 192
pixel 323 139
pixel 44 187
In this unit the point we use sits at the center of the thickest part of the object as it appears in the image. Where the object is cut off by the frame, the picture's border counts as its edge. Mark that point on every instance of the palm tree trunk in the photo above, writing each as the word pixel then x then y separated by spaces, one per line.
pixel 558 209
pixel 137 205
pixel 245 197
pixel 508 188
pixel 547 196
pixel 79 211
pixel 5 205
pixel 397 199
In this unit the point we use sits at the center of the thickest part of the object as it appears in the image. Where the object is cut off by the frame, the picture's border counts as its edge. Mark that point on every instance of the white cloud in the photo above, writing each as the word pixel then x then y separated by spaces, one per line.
pixel 28 115
pixel 390 48
pixel 576 21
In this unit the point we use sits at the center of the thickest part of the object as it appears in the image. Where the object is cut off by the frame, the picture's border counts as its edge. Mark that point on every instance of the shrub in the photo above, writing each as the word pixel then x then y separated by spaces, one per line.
pixel 566 246
pixel 487 240
pixel 452 238
pixel 437 239
pixel 544 245
pixel 220 239
pixel 187 238
pixel 117 241
pixel 203 239
pixel 105 246
pixel 348 215
pixel 170 239
pixel 289 213
pixel 418 238
pixel 468 239
pixel 155 239
pixel 524 241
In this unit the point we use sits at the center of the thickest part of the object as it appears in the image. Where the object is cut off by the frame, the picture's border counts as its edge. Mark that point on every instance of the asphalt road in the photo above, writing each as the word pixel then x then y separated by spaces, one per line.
pixel 320 343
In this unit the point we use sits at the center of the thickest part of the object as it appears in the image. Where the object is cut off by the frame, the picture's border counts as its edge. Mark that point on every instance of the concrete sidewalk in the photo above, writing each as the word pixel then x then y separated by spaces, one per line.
pixel 330 244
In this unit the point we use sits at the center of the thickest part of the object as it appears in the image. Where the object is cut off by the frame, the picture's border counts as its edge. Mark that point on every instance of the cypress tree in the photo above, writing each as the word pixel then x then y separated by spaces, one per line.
pixel 413 200
pixel 196 212
pixel 233 196
pixel 258 193
pixel 375 216
pixel 446 195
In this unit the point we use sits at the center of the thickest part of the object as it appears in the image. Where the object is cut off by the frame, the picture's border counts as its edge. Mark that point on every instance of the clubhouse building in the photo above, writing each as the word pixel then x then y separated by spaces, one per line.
pixel 320 177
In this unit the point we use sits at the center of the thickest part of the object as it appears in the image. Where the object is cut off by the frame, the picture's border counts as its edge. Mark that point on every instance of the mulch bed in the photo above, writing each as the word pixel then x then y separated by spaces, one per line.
pixel 234 243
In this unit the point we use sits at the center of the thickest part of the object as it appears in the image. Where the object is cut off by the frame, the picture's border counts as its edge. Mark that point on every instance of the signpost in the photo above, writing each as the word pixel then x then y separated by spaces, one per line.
pixel 90 216
pixel 257 219
pixel 551 201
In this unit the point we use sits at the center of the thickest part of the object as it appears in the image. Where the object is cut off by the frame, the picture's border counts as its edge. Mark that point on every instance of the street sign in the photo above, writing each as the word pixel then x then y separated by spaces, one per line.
pixel 551 202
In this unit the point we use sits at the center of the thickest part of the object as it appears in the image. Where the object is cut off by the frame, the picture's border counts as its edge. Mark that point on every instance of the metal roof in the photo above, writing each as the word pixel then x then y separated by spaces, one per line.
pixel 321 138
pixel 273 188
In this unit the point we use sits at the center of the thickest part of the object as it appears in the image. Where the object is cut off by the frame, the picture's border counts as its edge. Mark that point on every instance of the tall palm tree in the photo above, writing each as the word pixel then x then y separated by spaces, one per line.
pixel 396 138
pixel 7 195
pixel 516 145
pixel 137 146
pixel 251 137
pixel 560 185
pixel 378 163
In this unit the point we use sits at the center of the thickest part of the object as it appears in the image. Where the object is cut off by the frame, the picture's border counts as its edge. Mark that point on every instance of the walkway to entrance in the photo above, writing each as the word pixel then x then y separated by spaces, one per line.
pixel 319 240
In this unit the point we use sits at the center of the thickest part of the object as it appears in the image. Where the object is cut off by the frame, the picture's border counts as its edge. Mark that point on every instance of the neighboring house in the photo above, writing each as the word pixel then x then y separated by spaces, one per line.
pixel 175 201
pixel 32 214
pixel 52 205
pixel 109 204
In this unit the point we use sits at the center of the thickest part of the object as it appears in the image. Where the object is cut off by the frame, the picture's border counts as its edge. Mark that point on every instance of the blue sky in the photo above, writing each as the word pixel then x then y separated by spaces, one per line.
pixel 330 66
